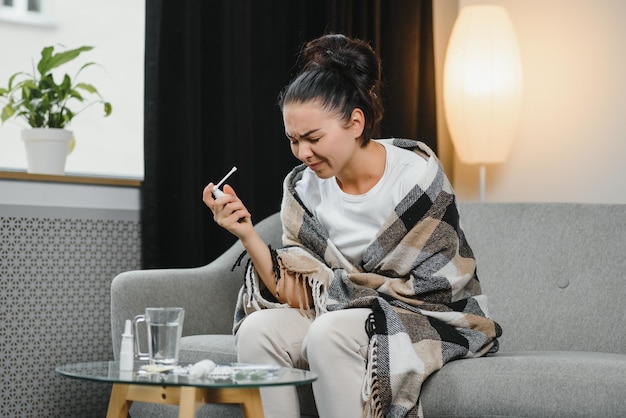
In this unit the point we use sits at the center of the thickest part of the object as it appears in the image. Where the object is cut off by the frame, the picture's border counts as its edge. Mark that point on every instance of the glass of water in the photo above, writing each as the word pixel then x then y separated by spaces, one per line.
pixel 165 328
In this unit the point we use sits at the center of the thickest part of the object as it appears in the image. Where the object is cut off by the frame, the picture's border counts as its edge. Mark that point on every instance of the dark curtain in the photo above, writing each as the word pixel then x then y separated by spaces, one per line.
pixel 213 73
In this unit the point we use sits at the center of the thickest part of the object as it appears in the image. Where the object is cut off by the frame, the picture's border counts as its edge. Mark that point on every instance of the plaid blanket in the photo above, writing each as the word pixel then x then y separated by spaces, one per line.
pixel 418 277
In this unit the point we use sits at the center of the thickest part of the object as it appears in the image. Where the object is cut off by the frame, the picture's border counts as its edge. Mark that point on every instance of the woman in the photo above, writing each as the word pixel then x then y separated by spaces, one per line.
pixel 375 287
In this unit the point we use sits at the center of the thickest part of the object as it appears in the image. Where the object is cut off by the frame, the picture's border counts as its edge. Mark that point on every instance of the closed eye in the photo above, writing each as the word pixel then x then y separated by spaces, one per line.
pixel 305 137
pixel 294 141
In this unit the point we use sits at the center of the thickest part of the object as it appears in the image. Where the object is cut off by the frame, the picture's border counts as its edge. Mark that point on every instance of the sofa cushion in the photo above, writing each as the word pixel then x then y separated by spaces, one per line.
pixel 529 384
pixel 219 348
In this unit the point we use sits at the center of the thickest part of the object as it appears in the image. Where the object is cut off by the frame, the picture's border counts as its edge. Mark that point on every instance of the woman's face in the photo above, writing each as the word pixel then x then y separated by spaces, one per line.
pixel 320 138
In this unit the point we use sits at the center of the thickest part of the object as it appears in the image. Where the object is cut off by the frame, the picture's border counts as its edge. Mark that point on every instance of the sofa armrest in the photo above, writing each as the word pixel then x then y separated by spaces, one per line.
pixel 207 293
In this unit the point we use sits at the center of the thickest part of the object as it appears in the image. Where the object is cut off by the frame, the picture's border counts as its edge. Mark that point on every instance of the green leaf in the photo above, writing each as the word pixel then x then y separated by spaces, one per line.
pixel 89 64
pixel 7 112
pixel 49 60
pixel 12 78
pixel 87 87
pixel 66 84
pixel 28 84
pixel 71 146
pixel 75 94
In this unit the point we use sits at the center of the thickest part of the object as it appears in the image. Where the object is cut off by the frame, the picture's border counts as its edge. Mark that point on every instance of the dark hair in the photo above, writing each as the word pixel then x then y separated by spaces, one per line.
pixel 342 74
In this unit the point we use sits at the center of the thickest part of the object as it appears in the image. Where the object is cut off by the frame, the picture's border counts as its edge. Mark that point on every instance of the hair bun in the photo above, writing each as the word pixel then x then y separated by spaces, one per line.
pixel 329 51
pixel 351 57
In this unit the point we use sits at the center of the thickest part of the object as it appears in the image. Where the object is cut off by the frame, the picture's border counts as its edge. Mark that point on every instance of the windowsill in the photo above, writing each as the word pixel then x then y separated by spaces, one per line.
pixel 30 19
pixel 71 178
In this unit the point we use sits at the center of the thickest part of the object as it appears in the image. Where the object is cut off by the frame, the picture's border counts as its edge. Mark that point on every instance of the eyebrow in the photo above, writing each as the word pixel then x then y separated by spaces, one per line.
pixel 305 135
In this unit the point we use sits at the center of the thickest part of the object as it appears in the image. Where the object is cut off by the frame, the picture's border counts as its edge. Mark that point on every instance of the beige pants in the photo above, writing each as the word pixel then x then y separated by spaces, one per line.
pixel 334 346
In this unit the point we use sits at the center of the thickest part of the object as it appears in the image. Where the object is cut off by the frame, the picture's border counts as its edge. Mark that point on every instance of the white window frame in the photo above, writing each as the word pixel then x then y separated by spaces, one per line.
pixel 19 13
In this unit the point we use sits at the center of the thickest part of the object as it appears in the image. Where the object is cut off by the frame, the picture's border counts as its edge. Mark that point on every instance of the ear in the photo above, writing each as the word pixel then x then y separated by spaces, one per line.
pixel 357 122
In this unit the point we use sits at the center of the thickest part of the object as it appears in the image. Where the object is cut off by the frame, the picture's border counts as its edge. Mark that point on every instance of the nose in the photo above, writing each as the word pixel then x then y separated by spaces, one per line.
pixel 304 151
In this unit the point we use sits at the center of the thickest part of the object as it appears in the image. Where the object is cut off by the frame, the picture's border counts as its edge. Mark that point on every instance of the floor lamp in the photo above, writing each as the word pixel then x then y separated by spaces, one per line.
pixel 482 86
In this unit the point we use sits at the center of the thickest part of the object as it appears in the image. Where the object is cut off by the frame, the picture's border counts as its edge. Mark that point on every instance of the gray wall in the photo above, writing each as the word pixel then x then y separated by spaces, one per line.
pixel 56 268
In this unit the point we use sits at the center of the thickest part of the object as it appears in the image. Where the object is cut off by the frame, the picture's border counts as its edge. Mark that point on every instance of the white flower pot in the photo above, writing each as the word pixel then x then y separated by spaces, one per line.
pixel 47 149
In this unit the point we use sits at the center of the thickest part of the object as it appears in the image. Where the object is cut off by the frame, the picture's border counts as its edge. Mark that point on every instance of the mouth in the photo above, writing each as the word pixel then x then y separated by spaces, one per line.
pixel 315 166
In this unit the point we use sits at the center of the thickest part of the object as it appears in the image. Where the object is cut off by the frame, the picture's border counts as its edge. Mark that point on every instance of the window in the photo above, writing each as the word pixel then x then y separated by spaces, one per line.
pixel 34 6
pixel 30 12
pixel 111 146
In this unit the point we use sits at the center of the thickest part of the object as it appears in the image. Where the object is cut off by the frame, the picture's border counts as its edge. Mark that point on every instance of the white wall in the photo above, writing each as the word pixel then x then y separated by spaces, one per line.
pixel 33 194
pixel 571 139
pixel 116 29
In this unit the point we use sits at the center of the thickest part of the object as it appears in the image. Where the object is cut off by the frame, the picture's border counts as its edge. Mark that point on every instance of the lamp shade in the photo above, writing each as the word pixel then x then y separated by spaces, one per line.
pixel 482 85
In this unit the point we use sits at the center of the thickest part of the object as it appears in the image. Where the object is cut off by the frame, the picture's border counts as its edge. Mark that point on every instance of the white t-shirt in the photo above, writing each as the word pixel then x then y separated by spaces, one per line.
pixel 353 221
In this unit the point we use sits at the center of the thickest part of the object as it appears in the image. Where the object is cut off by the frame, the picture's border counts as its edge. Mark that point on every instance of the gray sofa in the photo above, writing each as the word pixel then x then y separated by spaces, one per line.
pixel 555 274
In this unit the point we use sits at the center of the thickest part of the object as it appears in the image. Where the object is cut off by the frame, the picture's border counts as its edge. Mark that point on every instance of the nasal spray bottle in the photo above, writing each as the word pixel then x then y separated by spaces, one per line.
pixel 216 191
pixel 127 351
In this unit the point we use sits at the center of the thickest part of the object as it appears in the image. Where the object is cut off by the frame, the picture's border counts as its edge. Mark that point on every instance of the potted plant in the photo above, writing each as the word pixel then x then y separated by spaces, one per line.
pixel 37 99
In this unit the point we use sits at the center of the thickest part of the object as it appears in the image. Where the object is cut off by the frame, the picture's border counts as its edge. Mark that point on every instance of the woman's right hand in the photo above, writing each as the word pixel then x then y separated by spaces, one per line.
pixel 229 211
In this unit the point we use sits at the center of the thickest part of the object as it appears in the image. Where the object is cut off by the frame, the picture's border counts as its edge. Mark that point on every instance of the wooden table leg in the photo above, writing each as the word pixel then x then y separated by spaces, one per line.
pixel 252 406
pixel 118 403
pixel 249 398
pixel 189 399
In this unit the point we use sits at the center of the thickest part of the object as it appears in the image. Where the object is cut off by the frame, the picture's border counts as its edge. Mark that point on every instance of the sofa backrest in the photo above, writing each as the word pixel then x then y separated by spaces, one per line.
pixel 271 230
pixel 555 273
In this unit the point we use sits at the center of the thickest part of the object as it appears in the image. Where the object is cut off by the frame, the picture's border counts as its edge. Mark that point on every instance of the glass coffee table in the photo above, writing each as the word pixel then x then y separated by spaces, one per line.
pixel 189 393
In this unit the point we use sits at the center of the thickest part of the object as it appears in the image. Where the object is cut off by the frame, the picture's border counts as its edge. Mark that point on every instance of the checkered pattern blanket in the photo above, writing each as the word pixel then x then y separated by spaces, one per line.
pixel 418 277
